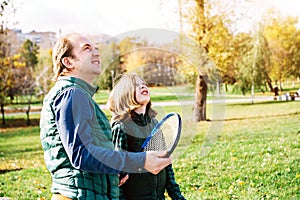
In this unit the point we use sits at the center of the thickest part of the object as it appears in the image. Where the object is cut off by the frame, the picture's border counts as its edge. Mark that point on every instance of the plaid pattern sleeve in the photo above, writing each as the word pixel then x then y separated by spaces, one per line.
pixel 171 185
pixel 119 137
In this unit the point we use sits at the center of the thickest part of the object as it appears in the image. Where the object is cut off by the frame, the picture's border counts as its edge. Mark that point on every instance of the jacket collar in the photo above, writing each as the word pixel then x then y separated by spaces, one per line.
pixel 140 119
pixel 81 83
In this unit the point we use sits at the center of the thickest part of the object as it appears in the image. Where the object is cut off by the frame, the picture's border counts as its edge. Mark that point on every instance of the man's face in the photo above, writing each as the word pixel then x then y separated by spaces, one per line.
pixel 87 62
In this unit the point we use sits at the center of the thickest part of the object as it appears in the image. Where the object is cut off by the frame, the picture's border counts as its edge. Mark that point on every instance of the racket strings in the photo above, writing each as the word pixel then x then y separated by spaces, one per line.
pixel 164 137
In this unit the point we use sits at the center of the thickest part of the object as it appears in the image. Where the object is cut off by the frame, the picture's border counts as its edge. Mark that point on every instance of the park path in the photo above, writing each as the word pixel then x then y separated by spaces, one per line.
pixel 221 100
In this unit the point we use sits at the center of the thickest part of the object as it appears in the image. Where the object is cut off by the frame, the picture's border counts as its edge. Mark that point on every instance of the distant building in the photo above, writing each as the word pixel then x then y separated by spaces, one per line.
pixel 45 40
pixel 15 38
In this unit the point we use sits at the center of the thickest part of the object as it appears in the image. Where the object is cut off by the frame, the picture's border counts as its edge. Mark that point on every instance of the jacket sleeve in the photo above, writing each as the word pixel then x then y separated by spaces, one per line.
pixel 119 136
pixel 171 185
pixel 74 114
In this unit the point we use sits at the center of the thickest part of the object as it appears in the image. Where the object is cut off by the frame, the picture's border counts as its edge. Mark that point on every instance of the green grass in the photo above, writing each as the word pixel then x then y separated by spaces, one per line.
pixel 22 169
pixel 256 155
pixel 253 158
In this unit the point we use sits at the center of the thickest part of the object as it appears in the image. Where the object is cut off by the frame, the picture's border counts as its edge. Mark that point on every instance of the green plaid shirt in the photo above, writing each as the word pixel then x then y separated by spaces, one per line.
pixel 121 137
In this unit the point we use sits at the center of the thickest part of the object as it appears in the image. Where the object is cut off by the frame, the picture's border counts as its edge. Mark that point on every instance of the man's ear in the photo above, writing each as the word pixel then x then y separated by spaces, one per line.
pixel 67 63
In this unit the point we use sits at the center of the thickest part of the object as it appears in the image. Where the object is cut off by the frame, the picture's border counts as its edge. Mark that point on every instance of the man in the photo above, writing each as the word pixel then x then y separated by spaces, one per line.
pixel 75 133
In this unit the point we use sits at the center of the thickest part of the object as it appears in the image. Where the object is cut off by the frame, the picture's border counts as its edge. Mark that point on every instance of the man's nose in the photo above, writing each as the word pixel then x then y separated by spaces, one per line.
pixel 96 52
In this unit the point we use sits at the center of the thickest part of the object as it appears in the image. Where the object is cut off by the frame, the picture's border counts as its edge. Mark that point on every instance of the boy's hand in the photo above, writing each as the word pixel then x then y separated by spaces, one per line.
pixel 123 178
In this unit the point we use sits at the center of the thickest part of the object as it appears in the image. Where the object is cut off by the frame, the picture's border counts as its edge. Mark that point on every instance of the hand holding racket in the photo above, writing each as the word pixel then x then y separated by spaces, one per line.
pixel 165 135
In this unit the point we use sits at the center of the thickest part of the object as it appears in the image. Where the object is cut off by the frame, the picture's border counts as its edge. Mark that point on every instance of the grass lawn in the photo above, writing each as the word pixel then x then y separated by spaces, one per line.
pixel 255 155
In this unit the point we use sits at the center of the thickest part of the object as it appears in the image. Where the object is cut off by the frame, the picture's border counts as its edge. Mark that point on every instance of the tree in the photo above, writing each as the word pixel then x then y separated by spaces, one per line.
pixel 10 79
pixel 283 38
pixel 17 77
pixel 295 55
pixel 111 62
pixel 29 56
pixel 240 45
pixel 43 71
pixel 253 64
pixel 208 31
pixel 4 84
pixel 158 66
pixel 4 59
pixel 115 59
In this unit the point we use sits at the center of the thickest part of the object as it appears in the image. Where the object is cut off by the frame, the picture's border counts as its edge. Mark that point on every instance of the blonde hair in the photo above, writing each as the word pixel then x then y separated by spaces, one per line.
pixel 122 99
pixel 62 48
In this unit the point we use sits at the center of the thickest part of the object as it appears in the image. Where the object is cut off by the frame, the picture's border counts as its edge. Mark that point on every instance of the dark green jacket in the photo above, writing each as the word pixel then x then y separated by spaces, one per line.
pixel 70 174
pixel 129 134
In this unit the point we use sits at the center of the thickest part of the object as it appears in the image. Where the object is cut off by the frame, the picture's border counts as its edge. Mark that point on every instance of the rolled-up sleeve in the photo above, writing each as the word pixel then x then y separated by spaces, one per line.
pixel 74 114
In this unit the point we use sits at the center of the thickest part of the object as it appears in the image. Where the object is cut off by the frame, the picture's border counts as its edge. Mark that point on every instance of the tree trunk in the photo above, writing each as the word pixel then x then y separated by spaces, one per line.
pixel 226 87
pixel 27 114
pixel 200 98
pixel 269 82
pixel 2 112
pixel 28 111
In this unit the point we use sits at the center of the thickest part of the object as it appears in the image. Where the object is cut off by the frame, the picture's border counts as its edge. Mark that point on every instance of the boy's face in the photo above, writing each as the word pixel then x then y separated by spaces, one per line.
pixel 142 92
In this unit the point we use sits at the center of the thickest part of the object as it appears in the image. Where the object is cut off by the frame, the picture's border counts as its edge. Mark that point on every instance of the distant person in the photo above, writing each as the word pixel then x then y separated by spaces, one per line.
pixel 75 133
pixel 132 122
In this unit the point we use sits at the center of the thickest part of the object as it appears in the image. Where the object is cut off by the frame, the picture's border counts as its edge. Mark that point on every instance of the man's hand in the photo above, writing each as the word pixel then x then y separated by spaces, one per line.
pixel 155 161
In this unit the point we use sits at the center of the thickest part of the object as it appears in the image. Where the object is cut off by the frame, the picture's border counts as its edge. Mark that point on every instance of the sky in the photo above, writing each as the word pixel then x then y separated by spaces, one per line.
pixel 112 17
